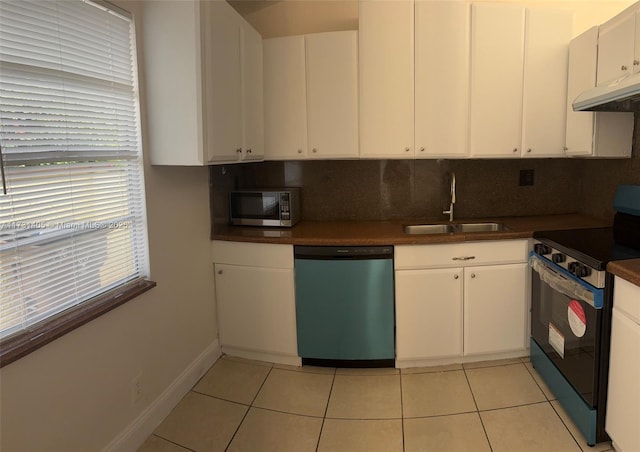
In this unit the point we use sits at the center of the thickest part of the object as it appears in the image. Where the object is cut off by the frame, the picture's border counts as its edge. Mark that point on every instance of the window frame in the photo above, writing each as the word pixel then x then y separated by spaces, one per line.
pixel 35 336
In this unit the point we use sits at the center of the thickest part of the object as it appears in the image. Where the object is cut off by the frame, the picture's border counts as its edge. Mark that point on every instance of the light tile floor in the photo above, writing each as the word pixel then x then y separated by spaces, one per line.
pixel 242 405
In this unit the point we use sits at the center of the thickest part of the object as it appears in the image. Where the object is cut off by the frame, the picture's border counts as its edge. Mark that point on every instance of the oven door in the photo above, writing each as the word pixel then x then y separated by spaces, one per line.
pixel 566 325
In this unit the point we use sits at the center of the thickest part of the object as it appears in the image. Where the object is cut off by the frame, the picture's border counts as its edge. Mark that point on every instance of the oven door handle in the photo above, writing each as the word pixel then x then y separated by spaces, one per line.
pixel 561 283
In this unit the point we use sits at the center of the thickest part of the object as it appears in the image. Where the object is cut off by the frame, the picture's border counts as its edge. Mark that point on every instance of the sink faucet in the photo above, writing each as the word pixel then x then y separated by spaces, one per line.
pixel 453 197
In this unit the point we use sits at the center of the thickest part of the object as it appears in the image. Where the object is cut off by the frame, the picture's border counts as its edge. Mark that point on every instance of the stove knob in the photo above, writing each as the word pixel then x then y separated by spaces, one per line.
pixel 541 248
pixel 558 257
pixel 572 267
pixel 583 271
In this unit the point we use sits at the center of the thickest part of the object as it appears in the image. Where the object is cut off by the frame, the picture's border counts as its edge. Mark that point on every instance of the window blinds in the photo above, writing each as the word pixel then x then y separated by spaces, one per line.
pixel 72 223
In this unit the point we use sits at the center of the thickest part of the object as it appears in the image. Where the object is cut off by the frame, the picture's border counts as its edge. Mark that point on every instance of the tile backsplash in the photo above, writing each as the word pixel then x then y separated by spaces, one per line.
pixel 419 189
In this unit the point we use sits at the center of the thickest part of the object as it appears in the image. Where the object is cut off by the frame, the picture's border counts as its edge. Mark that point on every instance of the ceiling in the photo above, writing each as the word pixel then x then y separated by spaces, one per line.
pixel 272 18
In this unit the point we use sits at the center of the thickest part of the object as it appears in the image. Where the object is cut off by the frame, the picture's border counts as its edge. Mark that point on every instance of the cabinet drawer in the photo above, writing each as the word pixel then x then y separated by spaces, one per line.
pixel 461 254
pixel 252 254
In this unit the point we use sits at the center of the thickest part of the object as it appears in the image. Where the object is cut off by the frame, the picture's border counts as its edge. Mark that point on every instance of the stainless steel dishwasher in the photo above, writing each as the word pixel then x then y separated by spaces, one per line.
pixel 345 305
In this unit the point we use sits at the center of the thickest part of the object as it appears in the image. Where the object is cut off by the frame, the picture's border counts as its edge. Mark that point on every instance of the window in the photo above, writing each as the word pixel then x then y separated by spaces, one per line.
pixel 72 210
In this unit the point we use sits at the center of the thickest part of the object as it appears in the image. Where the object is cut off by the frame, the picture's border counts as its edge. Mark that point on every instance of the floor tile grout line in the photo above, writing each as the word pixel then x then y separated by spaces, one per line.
pixel 248 409
pixel 441 415
pixel 536 382
pixel 219 398
pixel 326 408
pixel 566 426
pixel 473 396
pixel 173 442
pixel 513 406
pixel 285 412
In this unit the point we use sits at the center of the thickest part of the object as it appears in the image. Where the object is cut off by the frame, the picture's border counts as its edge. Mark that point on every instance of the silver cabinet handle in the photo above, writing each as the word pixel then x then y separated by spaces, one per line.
pixel 515 149
pixel 219 272
pixel 463 258
pixel 528 150
pixel 238 151
pixel 406 149
pixel 623 67
pixel 314 150
pixel 565 148
pixel 473 275
pixel 455 276
pixel 249 151
pixel 636 62
pixel 299 151
pixel 421 149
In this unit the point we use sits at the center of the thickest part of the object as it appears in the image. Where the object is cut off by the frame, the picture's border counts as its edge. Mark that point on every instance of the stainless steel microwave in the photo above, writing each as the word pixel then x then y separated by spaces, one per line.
pixel 265 207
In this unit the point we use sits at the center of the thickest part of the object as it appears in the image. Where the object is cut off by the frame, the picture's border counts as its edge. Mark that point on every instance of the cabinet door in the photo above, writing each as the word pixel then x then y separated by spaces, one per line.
pixel 441 78
pixel 583 58
pixel 616 47
pixel 285 104
pixel 497 47
pixel 332 94
pixel 386 78
pixel 256 308
pixel 428 313
pixel 495 314
pixel 636 46
pixel 544 112
pixel 252 96
pixel 173 83
pixel 222 78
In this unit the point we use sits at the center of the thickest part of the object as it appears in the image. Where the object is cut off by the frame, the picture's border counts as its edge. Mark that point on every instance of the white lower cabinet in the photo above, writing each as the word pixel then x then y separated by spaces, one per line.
pixel 428 313
pixel 623 402
pixel 461 302
pixel 495 308
pixel 256 301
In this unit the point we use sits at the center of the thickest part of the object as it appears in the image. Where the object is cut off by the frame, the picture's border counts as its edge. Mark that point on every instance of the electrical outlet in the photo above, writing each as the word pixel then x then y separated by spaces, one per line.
pixel 136 389
pixel 526 177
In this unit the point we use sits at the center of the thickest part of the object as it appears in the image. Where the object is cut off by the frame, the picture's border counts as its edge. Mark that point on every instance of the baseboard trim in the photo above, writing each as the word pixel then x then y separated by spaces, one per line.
pixel 132 437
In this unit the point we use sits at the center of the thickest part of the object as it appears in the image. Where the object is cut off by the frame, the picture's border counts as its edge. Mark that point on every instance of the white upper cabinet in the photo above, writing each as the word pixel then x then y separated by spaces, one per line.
pixel 600 134
pixel 332 94
pixel 616 42
pixel 196 55
pixel 311 96
pixel 386 39
pixel 223 82
pixel 514 115
pixel 441 79
pixel 636 47
pixel 497 55
pixel 252 95
pixel 547 38
pixel 285 98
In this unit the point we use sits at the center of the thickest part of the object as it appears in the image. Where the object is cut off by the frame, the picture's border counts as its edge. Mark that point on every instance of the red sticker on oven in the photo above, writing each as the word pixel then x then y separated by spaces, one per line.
pixel 577 318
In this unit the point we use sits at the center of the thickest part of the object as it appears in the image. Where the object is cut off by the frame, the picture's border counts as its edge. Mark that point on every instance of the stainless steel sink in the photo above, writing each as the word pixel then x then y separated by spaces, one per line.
pixel 455 228
pixel 480 227
pixel 428 229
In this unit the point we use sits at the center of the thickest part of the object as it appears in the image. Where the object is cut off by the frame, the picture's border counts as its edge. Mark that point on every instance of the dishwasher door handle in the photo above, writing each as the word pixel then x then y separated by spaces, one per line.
pixel 463 258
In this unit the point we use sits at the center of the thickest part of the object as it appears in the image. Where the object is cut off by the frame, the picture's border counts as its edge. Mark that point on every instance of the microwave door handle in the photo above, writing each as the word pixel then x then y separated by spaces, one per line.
pixel 560 283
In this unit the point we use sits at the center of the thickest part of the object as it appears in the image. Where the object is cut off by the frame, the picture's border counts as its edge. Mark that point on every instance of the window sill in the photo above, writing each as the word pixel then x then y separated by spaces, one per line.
pixel 21 344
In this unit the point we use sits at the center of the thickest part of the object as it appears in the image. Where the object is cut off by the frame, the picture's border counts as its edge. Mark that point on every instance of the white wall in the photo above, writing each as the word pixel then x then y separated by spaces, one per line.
pixel 74 394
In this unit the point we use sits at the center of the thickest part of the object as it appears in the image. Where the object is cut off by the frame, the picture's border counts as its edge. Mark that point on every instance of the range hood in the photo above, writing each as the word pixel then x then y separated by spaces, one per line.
pixel 622 94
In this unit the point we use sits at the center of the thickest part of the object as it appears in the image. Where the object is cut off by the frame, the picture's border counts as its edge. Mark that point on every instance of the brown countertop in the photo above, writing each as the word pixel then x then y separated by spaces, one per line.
pixel 629 270
pixel 341 233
